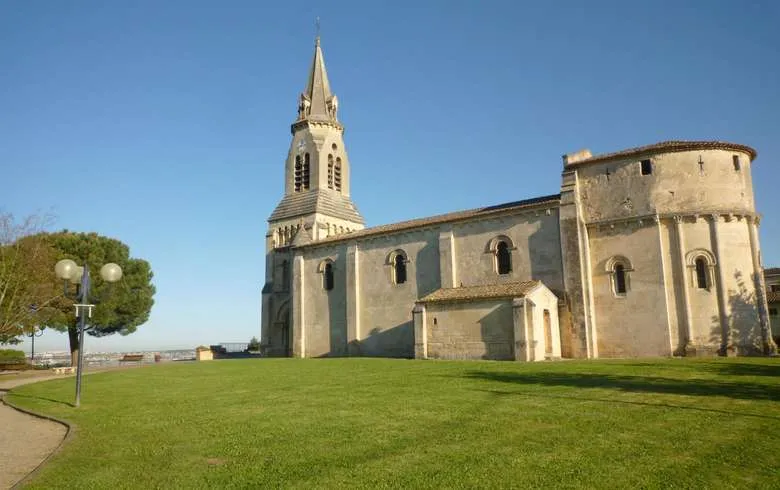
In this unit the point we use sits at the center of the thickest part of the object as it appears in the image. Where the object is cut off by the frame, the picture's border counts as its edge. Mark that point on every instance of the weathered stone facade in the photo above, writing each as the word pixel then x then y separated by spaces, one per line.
pixel 651 251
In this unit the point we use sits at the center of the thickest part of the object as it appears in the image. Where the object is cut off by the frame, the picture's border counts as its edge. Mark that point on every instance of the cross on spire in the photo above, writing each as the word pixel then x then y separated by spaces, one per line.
pixel 317 30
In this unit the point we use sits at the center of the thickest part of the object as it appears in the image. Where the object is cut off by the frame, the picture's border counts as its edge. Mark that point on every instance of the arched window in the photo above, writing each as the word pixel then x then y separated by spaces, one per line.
pixel 397 261
pixel 618 268
pixel 399 269
pixel 701 273
pixel 298 173
pixel 620 279
pixel 330 171
pixel 306 175
pixel 501 248
pixel 326 269
pixel 503 258
pixel 327 277
pixel 337 174
pixel 701 264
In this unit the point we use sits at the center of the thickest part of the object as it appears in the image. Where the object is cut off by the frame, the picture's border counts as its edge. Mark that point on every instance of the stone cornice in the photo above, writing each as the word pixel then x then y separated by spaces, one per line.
pixel 304 123
pixel 676 217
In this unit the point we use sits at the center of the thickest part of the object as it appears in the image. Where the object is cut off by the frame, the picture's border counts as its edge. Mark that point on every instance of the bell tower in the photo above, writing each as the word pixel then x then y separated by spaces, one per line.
pixel 317 185
pixel 316 202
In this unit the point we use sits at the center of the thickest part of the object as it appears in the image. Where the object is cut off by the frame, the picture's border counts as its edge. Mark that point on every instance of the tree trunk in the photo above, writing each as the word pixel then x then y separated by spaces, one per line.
pixel 73 336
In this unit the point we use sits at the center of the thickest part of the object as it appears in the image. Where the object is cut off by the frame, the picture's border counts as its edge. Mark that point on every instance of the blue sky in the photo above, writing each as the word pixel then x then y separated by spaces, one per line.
pixel 166 124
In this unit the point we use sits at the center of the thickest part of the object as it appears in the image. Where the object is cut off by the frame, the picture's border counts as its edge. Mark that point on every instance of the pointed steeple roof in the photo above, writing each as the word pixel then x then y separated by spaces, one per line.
pixel 317 102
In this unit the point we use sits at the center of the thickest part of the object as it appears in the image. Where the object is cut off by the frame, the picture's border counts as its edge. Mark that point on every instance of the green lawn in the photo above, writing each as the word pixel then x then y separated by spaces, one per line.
pixel 400 423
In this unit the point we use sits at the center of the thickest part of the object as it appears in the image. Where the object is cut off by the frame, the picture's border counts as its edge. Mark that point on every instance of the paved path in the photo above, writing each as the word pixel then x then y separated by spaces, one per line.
pixel 25 441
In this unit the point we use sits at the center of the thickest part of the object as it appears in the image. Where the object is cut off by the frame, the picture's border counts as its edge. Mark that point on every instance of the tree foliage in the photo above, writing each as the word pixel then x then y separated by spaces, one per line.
pixel 26 265
pixel 254 344
pixel 120 307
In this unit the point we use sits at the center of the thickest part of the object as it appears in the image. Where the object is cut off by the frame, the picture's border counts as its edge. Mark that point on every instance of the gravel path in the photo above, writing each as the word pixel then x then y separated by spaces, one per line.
pixel 25 441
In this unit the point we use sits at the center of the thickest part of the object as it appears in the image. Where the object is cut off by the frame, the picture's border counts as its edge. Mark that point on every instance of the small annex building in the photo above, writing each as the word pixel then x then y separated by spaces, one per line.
pixel 648 251
pixel 516 321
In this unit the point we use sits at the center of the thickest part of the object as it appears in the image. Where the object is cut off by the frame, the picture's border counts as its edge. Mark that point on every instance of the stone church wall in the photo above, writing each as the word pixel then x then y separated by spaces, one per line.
pixel 386 327
pixel 475 330
pixel 678 183
pixel 536 255
pixel 740 291
pixel 634 324
pixel 324 313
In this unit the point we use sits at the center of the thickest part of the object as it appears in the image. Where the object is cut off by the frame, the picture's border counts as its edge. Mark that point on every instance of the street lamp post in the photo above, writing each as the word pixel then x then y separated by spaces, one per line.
pixel 67 270
pixel 36 332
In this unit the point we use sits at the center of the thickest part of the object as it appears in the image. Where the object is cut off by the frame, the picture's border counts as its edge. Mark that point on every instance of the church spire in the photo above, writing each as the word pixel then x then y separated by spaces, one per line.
pixel 317 103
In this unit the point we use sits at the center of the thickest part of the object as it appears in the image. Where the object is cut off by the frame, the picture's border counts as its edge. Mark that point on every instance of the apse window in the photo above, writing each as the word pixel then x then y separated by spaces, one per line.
pixel 647 167
pixel 737 165
pixel 618 268
pixel 701 273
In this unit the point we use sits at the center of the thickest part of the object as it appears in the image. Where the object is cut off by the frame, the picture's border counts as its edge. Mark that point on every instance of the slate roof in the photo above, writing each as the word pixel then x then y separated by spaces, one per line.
pixel 492 291
pixel 442 218
pixel 323 201
pixel 669 147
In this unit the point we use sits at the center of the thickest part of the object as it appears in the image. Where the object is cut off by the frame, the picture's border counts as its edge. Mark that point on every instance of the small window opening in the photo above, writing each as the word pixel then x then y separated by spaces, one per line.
pixel 503 258
pixel 701 273
pixel 647 167
pixel 620 279
pixel 737 165
pixel 772 311
pixel 334 147
pixel 774 288
pixel 285 274
pixel 337 174
pixel 298 173
pixel 435 321
pixel 327 277
pixel 330 171
pixel 400 269
pixel 305 176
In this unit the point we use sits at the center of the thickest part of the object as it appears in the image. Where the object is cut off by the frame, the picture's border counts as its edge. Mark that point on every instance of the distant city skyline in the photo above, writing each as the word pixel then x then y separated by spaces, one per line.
pixel 166 125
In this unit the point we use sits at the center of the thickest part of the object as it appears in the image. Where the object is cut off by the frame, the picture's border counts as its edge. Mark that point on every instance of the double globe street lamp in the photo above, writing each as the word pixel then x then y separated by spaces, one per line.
pixel 69 271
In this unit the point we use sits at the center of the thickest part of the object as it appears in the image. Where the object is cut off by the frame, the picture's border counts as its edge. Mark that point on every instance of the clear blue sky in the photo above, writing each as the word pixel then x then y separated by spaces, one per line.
pixel 166 124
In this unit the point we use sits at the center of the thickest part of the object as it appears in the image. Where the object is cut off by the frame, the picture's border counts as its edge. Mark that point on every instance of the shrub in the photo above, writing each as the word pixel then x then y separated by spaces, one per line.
pixel 12 355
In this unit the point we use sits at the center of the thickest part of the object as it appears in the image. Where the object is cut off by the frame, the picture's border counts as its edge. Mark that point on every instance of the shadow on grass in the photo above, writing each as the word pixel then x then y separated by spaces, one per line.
pixel 637 384
pixel 746 369
pixel 725 368
pixel 628 402
pixel 31 397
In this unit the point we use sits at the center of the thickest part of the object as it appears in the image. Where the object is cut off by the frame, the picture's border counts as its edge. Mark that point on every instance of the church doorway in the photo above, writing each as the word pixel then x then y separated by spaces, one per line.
pixel 283 332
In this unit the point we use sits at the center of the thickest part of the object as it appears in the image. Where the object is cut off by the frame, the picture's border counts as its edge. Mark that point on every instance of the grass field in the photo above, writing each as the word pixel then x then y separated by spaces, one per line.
pixel 401 423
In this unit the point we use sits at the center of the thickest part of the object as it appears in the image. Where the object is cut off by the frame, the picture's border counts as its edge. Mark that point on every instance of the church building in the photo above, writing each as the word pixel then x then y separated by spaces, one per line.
pixel 650 251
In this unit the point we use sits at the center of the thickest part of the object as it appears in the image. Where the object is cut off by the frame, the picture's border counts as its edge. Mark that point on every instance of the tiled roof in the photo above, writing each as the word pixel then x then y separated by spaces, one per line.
pixel 442 218
pixel 773 296
pixel 322 201
pixel 669 147
pixel 772 271
pixel 506 290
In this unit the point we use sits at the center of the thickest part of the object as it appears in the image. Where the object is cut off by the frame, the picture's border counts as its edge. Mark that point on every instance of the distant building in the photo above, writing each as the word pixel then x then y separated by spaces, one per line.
pixel 650 251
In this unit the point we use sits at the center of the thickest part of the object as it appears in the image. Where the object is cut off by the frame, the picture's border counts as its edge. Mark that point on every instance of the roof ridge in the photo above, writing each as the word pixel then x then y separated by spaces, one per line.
pixel 669 146
pixel 437 219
